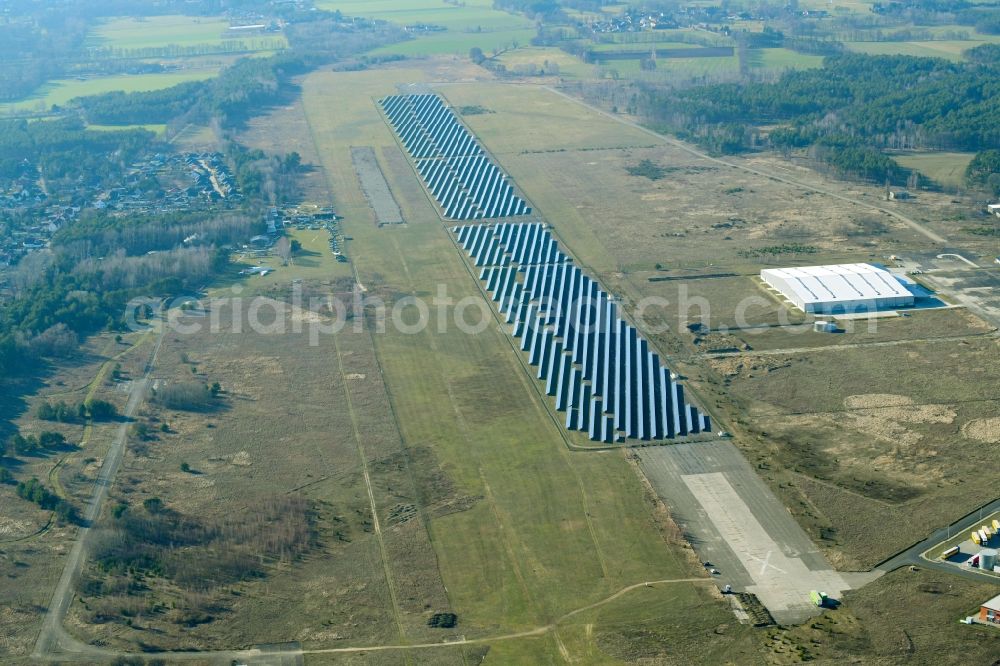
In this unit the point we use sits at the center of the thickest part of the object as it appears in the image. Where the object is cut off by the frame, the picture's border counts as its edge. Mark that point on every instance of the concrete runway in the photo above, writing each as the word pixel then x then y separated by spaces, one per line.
pixel 734 521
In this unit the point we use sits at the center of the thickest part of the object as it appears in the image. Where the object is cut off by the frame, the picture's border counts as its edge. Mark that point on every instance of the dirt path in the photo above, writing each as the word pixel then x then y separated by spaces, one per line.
pixel 54 475
pixel 913 224
pixel 853 345
pixel 53 637
pixel 383 553
pixel 528 633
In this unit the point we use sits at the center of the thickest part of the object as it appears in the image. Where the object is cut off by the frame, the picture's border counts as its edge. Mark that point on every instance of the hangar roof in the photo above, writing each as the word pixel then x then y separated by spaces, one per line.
pixel 839 282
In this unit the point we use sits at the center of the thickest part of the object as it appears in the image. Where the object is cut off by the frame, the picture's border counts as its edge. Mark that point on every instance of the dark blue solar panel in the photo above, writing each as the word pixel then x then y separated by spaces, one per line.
pixel 600 371
pixel 463 180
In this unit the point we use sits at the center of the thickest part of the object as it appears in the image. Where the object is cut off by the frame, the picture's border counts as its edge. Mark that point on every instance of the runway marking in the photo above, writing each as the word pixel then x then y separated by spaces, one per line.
pixel 782 581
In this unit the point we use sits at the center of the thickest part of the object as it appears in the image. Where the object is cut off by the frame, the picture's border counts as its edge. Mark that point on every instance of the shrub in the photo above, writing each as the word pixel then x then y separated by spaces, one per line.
pixel 33 491
pixel 648 169
pixel 101 410
pixel 51 440
pixel 23 446
pixel 188 396
pixel 59 411
pixel 443 620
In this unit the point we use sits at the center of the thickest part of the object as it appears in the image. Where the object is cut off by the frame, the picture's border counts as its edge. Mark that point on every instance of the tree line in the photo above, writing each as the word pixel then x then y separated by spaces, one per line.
pixel 847 112
pixel 249 83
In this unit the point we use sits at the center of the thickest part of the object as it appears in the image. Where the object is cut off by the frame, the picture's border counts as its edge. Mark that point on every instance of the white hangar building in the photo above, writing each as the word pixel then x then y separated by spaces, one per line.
pixel 839 288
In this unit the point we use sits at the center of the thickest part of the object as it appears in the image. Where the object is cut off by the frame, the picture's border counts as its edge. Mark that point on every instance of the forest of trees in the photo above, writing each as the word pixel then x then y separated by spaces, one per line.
pixel 100 234
pixel 65 149
pixel 848 111
pixel 983 171
pixel 251 82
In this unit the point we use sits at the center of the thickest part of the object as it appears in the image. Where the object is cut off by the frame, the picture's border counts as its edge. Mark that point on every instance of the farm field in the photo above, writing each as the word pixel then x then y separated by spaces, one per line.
pixel 642 46
pixel 469 24
pixel 156 32
pixel 458 43
pixel 467 400
pixel 689 36
pixel 61 91
pixel 156 129
pixel 946 169
pixel 948 49
pixel 471 15
pixel 569 66
pixel 838 6
pixel 673 68
pixel 776 59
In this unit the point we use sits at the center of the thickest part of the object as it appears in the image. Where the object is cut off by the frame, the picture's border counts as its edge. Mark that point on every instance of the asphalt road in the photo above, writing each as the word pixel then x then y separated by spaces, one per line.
pixel 914 554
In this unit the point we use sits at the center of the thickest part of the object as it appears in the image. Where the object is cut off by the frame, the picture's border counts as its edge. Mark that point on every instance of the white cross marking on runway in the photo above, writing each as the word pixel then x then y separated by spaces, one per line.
pixel 766 562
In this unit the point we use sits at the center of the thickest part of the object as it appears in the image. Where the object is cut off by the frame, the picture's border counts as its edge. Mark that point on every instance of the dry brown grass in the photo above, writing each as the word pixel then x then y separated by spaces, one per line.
pixel 282 437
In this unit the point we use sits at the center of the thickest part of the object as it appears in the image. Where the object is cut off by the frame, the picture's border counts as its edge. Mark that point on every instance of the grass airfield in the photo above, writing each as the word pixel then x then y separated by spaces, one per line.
pixel 537 544
pixel 541 552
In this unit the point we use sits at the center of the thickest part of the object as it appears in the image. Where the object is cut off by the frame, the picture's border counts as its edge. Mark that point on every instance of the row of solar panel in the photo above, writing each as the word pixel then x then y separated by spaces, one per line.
pixel 428 128
pixel 465 183
pixel 596 365
pixel 520 243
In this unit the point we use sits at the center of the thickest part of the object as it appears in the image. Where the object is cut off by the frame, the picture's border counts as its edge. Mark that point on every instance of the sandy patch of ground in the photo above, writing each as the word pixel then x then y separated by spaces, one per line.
pixel 986 430
pixel 747 367
pixel 241 459
pixel 308 317
pixel 893 435
pixel 876 400
pixel 885 416
pixel 13 527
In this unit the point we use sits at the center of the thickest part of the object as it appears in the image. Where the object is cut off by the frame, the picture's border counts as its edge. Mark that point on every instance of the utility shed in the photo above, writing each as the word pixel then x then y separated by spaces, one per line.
pixel 838 288
pixel 989 611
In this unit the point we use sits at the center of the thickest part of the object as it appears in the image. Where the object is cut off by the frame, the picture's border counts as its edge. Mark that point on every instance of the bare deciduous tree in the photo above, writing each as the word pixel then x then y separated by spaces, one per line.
pixel 283 248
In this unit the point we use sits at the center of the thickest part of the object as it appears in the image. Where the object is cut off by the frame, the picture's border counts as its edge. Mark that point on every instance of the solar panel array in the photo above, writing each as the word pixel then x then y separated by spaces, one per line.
pixel 465 182
pixel 600 370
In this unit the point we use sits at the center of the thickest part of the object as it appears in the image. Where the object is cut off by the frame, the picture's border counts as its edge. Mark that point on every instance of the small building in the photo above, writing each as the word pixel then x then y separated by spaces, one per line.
pixel 899 195
pixel 993 209
pixel 839 288
pixel 825 327
pixel 989 611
